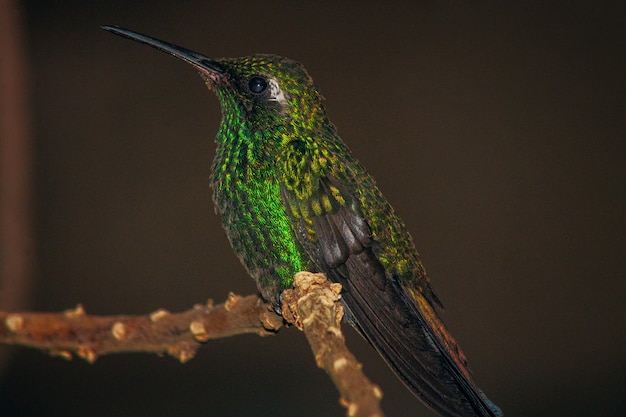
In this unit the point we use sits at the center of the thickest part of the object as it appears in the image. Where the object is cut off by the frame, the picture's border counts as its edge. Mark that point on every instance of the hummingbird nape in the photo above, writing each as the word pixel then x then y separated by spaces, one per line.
pixel 293 198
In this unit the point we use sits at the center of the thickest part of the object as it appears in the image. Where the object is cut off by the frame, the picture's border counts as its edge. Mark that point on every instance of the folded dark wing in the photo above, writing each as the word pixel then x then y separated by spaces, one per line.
pixel 405 331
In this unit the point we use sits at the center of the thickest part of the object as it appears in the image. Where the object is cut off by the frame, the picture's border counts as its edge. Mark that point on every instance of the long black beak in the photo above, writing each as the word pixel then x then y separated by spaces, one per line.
pixel 208 66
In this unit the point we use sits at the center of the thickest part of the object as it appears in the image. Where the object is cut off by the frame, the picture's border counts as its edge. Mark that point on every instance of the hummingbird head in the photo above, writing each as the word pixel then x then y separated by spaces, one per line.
pixel 258 88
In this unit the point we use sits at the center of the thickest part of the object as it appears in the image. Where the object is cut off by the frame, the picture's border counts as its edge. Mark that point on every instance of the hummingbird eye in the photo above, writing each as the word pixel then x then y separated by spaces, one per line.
pixel 257 84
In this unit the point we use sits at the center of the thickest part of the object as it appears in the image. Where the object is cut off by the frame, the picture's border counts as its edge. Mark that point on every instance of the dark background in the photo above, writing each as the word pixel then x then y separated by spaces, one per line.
pixel 496 131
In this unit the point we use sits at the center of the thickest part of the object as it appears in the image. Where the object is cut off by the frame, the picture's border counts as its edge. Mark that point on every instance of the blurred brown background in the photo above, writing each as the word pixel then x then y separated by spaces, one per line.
pixel 496 130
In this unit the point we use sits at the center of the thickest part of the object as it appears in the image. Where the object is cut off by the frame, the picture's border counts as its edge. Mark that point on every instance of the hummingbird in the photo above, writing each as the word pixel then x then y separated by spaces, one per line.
pixel 292 197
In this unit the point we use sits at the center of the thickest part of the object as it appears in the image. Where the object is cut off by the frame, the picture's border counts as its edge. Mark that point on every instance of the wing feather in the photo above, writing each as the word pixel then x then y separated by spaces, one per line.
pixel 406 332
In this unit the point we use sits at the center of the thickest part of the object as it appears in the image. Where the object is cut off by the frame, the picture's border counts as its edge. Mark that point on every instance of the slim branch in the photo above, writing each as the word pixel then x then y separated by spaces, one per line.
pixel 178 335
pixel 314 308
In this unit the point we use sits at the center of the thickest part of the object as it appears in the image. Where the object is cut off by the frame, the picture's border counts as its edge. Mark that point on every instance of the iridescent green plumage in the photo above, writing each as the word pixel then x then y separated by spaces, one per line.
pixel 292 197
pixel 291 145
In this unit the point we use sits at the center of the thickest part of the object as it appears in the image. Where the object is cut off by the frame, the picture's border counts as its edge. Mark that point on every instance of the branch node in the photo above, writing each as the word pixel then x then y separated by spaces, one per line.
pixel 199 331
pixel 61 353
pixel 184 352
pixel 118 330
pixel 75 313
pixel 158 315
pixel 339 364
pixel 231 301
pixel 87 353
pixel 378 393
pixel 14 322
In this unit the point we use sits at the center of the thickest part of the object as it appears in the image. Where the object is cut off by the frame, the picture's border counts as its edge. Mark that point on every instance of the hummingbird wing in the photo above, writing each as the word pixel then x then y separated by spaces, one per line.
pixel 397 319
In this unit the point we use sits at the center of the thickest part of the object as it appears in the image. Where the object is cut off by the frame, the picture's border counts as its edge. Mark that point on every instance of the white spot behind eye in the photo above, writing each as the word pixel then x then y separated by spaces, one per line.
pixel 276 93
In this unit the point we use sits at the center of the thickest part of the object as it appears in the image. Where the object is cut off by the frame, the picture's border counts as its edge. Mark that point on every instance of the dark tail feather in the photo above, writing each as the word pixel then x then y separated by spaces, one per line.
pixel 413 341
pixel 399 322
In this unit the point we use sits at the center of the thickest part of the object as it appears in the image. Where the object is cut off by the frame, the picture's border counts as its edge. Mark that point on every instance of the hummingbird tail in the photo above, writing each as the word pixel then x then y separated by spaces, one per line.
pixel 407 333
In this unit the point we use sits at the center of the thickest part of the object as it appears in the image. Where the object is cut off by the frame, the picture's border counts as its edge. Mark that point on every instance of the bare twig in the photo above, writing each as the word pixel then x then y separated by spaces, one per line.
pixel 313 306
pixel 178 335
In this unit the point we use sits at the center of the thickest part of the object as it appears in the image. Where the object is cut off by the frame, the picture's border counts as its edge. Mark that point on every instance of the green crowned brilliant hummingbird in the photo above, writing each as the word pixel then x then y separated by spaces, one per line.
pixel 293 198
